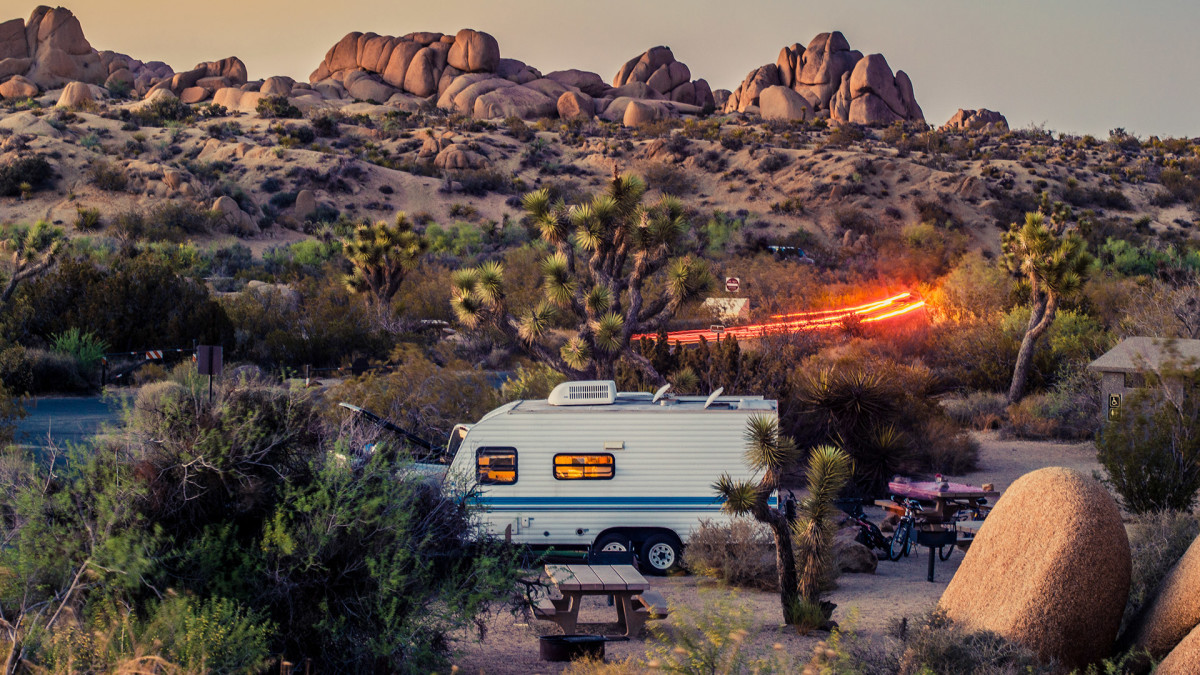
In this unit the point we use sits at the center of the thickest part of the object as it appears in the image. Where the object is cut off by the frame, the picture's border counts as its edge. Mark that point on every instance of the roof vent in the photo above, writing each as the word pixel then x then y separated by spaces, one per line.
pixel 588 392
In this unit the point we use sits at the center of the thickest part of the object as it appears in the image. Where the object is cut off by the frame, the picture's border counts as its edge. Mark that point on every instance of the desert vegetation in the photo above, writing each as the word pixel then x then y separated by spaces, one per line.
pixel 430 266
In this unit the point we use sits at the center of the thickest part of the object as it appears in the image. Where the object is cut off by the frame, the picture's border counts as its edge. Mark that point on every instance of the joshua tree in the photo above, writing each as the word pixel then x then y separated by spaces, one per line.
pixel 382 255
pixel 605 257
pixel 1050 265
pixel 829 469
pixel 769 452
pixel 34 251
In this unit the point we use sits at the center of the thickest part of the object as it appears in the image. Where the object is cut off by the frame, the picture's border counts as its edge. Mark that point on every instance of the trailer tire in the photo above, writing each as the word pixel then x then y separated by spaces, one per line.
pixel 613 541
pixel 661 554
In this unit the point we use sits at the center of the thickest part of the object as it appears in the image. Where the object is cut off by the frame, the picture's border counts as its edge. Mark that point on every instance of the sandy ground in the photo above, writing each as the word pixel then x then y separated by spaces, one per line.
pixel 871 602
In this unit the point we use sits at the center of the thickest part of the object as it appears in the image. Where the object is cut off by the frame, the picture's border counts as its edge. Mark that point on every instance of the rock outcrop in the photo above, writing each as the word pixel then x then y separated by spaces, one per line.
pixel 50 51
pixel 834 82
pixel 670 79
pixel 1175 610
pixel 976 120
pixel 1064 600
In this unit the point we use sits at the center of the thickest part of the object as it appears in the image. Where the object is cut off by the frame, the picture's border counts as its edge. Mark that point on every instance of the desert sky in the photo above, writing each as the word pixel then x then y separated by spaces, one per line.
pixel 1077 66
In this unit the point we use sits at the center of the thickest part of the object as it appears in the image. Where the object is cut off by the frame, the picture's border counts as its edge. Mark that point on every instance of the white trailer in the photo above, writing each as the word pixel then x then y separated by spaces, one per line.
pixel 590 467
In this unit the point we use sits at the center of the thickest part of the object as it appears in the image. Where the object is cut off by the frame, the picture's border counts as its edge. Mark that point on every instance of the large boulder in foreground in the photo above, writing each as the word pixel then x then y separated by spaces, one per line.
pixel 1050 569
pixel 1175 610
pixel 1184 659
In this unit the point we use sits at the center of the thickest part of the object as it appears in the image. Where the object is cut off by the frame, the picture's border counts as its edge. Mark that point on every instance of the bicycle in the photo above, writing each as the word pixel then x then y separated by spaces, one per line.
pixel 976 509
pixel 869 534
pixel 904 540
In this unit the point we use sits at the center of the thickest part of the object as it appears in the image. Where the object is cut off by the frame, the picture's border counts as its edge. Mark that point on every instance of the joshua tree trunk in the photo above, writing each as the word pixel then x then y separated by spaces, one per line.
pixel 1040 317
pixel 785 564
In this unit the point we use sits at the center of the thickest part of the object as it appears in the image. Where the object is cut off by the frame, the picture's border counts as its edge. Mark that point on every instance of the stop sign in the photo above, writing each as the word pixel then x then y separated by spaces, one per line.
pixel 732 284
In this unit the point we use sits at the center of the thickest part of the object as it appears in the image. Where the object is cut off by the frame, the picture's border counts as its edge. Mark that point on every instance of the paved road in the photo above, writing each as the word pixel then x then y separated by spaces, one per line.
pixel 65 419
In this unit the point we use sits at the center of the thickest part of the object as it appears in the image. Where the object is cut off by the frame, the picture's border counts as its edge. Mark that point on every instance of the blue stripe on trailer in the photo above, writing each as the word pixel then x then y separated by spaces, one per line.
pixel 604 503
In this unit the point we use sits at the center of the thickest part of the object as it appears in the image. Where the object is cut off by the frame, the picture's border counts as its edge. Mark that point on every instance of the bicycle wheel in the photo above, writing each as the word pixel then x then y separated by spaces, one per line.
pixel 898 544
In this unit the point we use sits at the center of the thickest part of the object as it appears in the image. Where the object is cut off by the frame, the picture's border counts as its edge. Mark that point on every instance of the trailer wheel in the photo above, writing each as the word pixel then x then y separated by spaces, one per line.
pixel 661 554
pixel 612 542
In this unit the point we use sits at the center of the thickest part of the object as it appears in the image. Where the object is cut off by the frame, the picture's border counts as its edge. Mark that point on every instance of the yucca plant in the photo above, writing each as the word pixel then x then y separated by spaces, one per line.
pixel 1050 266
pixel 84 346
pixel 605 256
pixel 829 468
pixel 768 453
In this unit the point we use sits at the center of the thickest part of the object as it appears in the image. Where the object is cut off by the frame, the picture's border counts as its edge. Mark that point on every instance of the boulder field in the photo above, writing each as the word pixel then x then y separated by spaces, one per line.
pixel 465 73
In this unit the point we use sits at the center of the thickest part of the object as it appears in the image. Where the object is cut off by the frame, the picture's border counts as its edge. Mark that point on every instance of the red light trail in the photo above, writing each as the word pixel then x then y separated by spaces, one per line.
pixel 825 319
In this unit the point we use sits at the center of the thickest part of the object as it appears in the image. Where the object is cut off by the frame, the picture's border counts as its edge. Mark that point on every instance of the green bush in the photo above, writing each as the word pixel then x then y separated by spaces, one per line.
pixel 277 107
pixel 161 111
pixel 87 219
pixel 240 529
pixel 56 372
pixel 85 347
pixel 978 409
pixel 1151 453
pixel 10 412
pixel 34 172
pixel 108 177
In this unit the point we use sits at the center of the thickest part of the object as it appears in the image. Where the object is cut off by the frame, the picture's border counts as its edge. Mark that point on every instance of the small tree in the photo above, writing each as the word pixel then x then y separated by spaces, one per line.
pixel 607 256
pixel 1050 266
pixel 33 251
pixel 382 256
pixel 769 452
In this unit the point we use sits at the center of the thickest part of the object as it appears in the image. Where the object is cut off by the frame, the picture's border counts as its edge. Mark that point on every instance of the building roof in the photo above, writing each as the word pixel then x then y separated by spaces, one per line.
pixel 1138 354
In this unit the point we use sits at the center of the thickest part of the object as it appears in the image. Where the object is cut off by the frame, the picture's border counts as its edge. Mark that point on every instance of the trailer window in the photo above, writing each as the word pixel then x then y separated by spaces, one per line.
pixel 496 466
pixel 584 467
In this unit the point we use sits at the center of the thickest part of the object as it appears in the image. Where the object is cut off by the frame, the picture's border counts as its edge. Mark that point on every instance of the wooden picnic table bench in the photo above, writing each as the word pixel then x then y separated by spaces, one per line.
pixel 631 592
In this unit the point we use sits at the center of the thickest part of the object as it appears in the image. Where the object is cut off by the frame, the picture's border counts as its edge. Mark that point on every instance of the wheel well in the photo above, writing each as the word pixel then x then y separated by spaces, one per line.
pixel 639 535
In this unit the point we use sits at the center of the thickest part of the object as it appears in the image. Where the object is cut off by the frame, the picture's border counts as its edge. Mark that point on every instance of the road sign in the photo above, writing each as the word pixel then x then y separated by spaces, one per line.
pixel 717 328
pixel 1114 401
pixel 733 284
pixel 209 360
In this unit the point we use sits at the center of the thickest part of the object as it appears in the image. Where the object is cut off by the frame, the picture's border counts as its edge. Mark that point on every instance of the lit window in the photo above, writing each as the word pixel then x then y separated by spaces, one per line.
pixel 496 466
pixel 584 467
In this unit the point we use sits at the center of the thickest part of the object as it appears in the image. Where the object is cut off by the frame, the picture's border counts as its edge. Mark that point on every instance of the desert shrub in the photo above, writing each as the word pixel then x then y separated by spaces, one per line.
pixel 87 219
pixel 669 179
pixel 773 162
pixel 10 412
pixel 301 258
pixel 535 382
pixel 252 547
pixel 161 111
pixel 24 174
pixel 843 135
pixel 974 288
pixel 741 553
pixel 1068 411
pixel 108 177
pixel 320 324
pixel 932 645
pixel 978 409
pixel 422 397
pixel 461 238
pixel 137 303
pixel 327 124
pixel 479 182
pixel 712 640
pixel 53 371
pixel 277 107
pixel 943 447
pixel 1151 453
pixel 1157 541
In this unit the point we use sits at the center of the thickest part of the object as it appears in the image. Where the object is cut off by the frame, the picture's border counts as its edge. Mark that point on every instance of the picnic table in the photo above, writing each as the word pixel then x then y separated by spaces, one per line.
pixel 945 502
pixel 631 594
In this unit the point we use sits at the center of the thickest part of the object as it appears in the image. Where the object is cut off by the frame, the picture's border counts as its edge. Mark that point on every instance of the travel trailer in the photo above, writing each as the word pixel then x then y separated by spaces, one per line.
pixel 593 468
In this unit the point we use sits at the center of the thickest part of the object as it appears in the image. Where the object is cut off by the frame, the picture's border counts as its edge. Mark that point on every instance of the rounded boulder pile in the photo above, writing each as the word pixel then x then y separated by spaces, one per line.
pixel 1175 610
pixel 1050 569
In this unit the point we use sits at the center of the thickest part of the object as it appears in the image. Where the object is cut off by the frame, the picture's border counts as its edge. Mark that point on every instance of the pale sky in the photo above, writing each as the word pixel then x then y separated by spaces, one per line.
pixel 1079 66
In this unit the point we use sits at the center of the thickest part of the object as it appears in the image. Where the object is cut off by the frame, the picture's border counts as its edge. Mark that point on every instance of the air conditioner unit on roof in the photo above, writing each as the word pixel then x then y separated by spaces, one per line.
pixel 588 392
